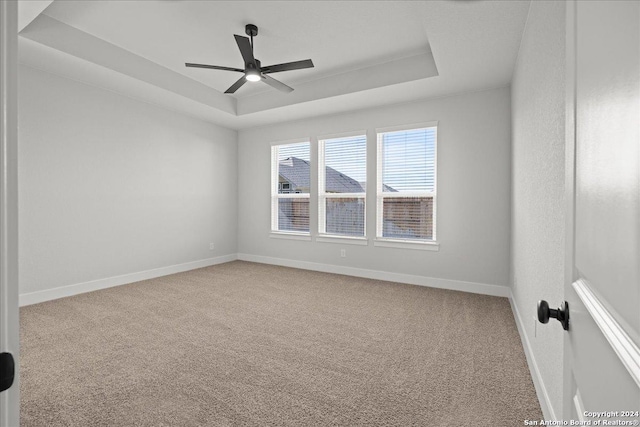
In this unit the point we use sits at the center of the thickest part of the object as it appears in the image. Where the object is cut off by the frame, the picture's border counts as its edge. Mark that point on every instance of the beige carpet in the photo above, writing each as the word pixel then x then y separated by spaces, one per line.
pixel 244 344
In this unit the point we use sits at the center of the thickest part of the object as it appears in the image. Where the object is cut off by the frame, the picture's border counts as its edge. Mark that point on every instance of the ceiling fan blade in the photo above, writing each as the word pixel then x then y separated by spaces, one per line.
pixel 213 67
pixel 245 49
pixel 297 65
pixel 276 84
pixel 234 87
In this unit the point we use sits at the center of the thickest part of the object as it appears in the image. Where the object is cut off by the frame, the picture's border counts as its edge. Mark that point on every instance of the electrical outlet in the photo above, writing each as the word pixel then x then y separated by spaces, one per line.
pixel 343 253
pixel 211 246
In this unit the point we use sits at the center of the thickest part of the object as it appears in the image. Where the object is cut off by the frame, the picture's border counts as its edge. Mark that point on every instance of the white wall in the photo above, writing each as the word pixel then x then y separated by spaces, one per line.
pixel 473 190
pixel 537 258
pixel 111 186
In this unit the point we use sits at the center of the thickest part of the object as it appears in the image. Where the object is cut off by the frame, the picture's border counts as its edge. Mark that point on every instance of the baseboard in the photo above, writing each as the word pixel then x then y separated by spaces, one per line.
pixel 541 390
pixel 94 285
pixel 456 285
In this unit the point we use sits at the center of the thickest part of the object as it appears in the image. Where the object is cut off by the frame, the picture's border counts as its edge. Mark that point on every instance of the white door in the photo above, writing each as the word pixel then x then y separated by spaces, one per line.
pixel 9 334
pixel 602 359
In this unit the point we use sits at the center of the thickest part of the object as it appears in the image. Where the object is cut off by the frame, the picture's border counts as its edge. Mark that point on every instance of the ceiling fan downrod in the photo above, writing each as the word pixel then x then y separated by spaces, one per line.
pixel 251 30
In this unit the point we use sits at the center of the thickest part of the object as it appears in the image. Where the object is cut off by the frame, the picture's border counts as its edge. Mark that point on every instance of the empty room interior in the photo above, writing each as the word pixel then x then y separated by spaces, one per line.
pixel 315 213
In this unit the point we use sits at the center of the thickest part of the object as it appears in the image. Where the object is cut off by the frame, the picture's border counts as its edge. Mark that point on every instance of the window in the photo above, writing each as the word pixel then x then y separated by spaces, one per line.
pixel 290 182
pixel 406 190
pixel 342 179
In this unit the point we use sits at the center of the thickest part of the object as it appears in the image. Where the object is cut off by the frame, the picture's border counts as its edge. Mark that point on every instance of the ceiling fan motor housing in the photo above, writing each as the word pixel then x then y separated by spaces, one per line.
pixel 251 30
pixel 250 65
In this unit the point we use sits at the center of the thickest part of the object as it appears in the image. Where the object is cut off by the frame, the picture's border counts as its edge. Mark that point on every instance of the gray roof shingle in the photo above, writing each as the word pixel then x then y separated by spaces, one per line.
pixel 296 171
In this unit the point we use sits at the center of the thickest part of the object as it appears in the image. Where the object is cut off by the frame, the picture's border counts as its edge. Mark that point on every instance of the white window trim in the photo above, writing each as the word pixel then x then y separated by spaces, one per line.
pixel 380 194
pixel 347 240
pixel 323 196
pixel 422 125
pixel 290 235
pixel 275 196
pixel 425 245
pixel 349 134
pixel 291 141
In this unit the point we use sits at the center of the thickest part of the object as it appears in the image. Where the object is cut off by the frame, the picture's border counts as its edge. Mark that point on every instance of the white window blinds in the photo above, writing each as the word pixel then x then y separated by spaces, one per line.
pixel 342 179
pixel 290 183
pixel 406 193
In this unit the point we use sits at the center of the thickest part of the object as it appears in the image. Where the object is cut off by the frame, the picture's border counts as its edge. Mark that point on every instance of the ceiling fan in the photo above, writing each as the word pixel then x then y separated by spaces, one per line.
pixel 253 70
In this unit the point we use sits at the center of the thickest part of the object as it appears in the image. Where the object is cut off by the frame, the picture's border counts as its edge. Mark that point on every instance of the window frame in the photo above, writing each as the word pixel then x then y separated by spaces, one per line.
pixel 276 196
pixel 323 236
pixel 380 240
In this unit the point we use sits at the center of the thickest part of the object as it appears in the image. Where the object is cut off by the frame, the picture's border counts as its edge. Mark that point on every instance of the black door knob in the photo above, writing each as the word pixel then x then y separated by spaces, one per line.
pixel 562 313
pixel 7 371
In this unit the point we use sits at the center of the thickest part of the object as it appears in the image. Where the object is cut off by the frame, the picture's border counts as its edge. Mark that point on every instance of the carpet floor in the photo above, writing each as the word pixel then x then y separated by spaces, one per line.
pixel 245 344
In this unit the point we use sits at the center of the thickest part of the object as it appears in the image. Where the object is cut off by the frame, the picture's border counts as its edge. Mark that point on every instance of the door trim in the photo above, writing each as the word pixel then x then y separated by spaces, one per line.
pixel 9 329
pixel 618 338
pixel 577 403
pixel 548 411
pixel 570 273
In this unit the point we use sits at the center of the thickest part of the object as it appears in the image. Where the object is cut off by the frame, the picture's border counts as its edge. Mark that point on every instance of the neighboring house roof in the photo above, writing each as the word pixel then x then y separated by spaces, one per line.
pixel 385 188
pixel 296 171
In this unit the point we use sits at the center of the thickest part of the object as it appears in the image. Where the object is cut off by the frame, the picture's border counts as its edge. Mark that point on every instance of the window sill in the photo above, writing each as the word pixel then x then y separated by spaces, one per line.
pixel 290 236
pixel 407 244
pixel 363 241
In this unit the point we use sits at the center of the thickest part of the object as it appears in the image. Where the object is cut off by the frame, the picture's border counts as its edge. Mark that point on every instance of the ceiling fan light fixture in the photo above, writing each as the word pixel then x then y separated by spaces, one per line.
pixel 252 76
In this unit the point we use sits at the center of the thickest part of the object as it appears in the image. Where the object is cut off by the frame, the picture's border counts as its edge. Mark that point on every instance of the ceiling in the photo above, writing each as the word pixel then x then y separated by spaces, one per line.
pixel 366 53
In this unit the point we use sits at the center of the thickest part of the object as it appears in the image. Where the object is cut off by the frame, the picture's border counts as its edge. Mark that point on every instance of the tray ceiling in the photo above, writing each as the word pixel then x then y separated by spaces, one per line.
pixel 366 53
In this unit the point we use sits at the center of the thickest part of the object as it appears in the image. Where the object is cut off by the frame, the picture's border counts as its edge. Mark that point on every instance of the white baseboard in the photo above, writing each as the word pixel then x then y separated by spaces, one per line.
pixel 541 390
pixel 456 285
pixel 94 285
